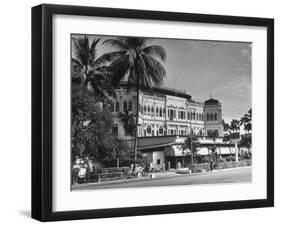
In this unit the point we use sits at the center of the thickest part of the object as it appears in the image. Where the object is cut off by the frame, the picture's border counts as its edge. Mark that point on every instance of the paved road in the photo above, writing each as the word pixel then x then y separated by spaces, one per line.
pixel 241 175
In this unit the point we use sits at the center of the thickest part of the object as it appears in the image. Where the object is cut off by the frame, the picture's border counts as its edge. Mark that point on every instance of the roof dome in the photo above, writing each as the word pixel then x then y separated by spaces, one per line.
pixel 211 101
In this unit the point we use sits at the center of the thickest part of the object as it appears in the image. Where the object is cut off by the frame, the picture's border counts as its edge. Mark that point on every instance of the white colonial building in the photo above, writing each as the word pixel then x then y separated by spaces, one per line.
pixel 166 118
pixel 167 112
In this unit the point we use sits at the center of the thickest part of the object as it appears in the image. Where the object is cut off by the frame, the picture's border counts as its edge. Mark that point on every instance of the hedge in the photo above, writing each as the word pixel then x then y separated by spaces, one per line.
pixel 197 168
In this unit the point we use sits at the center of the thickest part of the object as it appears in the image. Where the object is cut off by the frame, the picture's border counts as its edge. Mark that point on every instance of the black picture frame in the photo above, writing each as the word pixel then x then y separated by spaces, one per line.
pixel 42 111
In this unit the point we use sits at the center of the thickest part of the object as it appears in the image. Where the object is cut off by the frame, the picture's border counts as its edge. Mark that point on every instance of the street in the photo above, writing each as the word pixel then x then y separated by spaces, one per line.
pixel 234 175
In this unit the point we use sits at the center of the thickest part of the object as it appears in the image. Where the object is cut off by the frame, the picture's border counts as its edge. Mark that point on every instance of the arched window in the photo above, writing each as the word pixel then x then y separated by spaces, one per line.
pixel 211 117
pixel 160 112
pixel 157 111
pixel 193 115
pixel 148 129
pixel 171 114
pixel 130 105
pixel 117 106
pixel 161 130
pixel 144 109
pixel 191 130
pixel 148 109
pixel 152 110
pixel 215 117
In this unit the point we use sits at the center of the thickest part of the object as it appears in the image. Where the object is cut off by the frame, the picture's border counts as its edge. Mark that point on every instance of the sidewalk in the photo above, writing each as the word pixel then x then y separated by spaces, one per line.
pixel 158 175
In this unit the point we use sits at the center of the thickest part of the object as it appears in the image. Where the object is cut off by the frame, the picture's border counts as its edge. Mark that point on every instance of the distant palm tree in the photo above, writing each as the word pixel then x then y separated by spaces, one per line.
pixel 235 125
pixel 246 121
pixel 89 69
pixel 226 126
pixel 138 61
pixel 226 129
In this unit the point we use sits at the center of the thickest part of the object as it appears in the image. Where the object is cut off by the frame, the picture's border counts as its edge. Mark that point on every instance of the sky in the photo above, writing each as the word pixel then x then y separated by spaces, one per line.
pixel 207 68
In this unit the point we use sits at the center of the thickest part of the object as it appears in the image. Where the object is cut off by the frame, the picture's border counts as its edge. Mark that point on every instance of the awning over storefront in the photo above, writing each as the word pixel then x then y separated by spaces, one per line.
pixel 226 150
pixel 172 146
pixel 203 151
pixel 145 143
pixel 220 150
pixel 176 150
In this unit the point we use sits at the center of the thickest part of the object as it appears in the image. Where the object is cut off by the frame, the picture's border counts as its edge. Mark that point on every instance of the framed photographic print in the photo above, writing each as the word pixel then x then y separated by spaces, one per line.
pixel 145 112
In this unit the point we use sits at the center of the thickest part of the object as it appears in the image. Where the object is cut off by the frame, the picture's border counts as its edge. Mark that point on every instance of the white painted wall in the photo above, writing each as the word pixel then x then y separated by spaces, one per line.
pixel 158 155
pixel 15 90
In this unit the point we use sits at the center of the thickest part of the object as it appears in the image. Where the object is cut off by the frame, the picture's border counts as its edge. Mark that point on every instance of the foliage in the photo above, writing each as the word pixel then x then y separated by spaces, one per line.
pixel 234 125
pixel 246 121
pixel 191 143
pixel 91 130
pixel 135 58
pixel 213 134
pixel 138 61
pixel 205 159
pixel 89 70
pixel 226 126
pixel 246 141
pixel 121 150
pixel 128 121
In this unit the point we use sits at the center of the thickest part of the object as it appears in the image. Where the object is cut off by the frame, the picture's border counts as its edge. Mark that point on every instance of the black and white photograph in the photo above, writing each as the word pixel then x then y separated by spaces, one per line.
pixel 148 112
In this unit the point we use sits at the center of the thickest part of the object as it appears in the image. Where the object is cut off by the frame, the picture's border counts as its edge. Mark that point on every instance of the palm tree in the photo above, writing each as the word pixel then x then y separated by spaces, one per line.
pixel 226 126
pixel 235 125
pixel 191 143
pixel 246 121
pixel 128 121
pixel 139 63
pixel 89 69
pixel 226 129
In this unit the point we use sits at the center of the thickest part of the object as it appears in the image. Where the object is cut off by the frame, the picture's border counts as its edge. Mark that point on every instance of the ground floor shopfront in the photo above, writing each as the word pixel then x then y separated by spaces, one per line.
pixel 167 152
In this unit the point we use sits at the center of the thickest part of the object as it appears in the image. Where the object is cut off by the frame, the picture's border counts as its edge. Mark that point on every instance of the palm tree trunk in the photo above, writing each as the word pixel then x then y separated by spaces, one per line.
pixel 137 111
pixel 117 162
pixel 191 144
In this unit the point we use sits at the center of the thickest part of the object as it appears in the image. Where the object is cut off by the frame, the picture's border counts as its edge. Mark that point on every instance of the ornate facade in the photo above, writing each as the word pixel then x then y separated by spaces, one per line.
pixel 168 112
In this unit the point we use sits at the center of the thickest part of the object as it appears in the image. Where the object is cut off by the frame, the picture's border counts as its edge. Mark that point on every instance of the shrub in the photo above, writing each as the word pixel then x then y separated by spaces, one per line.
pixel 205 159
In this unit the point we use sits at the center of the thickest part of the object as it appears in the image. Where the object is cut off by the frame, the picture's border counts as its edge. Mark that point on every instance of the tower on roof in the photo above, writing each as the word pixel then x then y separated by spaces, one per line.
pixel 213 117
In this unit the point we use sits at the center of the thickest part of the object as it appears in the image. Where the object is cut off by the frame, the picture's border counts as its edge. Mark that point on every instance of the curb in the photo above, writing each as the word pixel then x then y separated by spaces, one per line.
pixel 77 186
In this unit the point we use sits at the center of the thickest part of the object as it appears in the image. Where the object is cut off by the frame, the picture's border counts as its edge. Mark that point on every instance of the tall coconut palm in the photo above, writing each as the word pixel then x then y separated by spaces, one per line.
pixel 89 69
pixel 139 63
